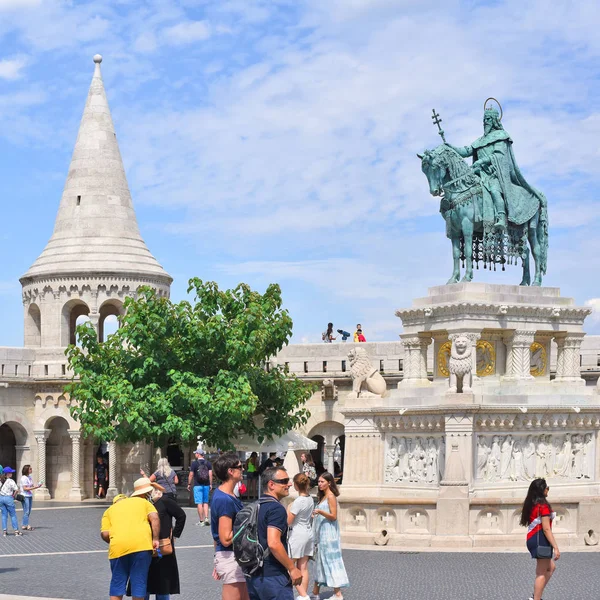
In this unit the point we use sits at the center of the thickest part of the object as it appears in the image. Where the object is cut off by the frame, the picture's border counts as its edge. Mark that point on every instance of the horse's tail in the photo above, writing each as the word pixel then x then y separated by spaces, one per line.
pixel 542 232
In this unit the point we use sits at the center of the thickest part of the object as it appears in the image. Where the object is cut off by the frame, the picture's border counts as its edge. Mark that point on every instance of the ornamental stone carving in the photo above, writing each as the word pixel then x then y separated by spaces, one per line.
pixel 329 391
pixel 523 456
pixel 415 459
pixel 461 364
pixel 367 382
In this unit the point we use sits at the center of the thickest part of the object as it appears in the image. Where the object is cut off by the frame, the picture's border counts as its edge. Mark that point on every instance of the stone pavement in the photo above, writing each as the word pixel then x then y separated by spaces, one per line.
pixel 65 558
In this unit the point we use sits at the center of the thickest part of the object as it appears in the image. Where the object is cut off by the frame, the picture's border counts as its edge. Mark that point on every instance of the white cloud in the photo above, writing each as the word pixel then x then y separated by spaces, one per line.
pixel 10 68
pixel 187 32
pixel 13 5
pixel 594 304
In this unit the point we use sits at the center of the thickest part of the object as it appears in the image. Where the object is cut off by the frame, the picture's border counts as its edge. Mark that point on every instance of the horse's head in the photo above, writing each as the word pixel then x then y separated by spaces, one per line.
pixel 435 168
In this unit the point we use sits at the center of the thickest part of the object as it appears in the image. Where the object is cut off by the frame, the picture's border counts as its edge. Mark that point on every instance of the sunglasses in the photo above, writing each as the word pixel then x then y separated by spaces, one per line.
pixel 283 481
pixel 240 466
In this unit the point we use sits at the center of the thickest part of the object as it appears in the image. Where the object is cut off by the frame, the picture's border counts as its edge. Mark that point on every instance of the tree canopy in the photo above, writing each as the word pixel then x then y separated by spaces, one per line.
pixel 188 369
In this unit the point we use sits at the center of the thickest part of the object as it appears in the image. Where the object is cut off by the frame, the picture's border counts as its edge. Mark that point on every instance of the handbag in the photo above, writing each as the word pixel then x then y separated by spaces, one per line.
pixel 542 551
pixel 165 545
pixel 20 498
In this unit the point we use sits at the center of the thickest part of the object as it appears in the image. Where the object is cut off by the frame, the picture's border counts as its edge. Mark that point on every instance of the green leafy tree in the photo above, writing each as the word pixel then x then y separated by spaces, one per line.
pixel 189 369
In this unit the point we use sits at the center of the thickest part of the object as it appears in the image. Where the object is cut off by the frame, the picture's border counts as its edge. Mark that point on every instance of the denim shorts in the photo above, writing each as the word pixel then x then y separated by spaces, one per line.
pixel 201 494
pixel 133 567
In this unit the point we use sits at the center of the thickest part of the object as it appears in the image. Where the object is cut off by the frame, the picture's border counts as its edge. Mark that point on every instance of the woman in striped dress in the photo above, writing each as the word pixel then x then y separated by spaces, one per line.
pixel 330 571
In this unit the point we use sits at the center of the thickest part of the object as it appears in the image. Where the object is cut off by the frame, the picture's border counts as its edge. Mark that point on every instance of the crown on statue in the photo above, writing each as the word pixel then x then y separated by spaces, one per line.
pixel 490 109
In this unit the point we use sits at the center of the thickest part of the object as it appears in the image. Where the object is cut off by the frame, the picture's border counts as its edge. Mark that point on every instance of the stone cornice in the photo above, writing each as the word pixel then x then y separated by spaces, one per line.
pixel 492 312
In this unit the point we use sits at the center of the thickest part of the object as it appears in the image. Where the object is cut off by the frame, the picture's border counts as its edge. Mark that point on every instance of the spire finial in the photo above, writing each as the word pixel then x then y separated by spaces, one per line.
pixel 97 58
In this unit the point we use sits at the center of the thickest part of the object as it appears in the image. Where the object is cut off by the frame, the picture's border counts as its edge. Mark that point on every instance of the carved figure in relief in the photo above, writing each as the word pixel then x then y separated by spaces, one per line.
pixel 577 466
pixel 588 457
pixel 567 457
pixel 391 460
pixel 402 468
pixel 432 461
pixel 461 365
pixel 529 457
pixel 366 379
pixel 540 457
pixel 494 460
pixel 441 457
pixel 483 453
pixel 517 465
pixel 506 456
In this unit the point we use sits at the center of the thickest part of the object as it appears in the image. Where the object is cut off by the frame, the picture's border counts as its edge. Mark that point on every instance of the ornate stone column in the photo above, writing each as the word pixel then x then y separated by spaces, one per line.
pixel 76 492
pixel 518 354
pixel 568 369
pixel 415 359
pixel 41 435
pixel 330 451
pixel 112 471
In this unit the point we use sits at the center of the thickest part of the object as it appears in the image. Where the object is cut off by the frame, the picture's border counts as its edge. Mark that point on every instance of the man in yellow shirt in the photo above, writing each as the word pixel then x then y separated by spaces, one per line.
pixel 131 528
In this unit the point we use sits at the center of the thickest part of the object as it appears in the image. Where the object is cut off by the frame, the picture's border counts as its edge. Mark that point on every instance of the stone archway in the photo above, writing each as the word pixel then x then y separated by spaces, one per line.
pixel 33 326
pixel 71 312
pixel 14 451
pixel 108 323
pixel 332 435
pixel 59 455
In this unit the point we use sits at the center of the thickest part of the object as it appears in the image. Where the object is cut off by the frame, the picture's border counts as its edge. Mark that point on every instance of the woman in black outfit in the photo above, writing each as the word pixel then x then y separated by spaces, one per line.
pixel 163 576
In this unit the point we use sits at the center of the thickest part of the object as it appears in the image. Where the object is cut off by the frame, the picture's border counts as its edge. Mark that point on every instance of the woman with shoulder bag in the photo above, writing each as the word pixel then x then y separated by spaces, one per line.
pixel 537 516
pixel 164 476
pixel 163 575
pixel 8 491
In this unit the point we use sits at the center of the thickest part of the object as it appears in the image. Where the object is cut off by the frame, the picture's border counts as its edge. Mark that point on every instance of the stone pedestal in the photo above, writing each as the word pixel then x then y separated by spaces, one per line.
pixel 442 468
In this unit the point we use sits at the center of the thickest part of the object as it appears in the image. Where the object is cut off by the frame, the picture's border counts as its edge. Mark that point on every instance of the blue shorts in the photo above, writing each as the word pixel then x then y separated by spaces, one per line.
pixel 201 494
pixel 278 587
pixel 133 567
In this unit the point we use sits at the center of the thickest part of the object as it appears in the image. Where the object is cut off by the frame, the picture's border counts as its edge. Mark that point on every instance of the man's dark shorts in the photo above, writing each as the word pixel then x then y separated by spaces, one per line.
pixel 132 567
pixel 278 587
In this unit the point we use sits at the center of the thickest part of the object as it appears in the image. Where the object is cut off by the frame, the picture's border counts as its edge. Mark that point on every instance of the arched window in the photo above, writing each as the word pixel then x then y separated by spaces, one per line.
pixel 33 326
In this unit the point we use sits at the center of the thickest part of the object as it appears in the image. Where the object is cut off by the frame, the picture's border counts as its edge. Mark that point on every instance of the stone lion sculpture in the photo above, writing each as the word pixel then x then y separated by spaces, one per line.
pixel 366 379
pixel 461 365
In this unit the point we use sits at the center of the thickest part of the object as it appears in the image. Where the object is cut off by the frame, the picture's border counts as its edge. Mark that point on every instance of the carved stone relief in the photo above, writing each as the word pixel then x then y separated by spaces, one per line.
pixel 523 456
pixel 414 459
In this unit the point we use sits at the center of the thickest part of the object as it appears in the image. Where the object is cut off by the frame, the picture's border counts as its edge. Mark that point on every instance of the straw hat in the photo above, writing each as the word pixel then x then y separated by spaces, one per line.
pixel 143 486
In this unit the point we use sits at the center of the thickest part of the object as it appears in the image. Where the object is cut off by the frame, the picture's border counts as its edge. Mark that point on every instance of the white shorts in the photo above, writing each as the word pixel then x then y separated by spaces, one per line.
pixel 227 568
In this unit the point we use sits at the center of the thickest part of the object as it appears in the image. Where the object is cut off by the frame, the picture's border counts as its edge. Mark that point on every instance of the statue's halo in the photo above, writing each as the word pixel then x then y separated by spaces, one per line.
pixel 485 106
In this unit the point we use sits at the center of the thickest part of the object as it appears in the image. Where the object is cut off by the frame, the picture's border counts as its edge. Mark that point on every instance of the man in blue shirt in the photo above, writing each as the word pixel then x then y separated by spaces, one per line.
pixel 201 475
pixel 274 581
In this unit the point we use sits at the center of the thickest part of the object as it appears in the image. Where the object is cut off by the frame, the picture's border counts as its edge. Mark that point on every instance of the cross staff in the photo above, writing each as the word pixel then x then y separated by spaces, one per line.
pixel 437 121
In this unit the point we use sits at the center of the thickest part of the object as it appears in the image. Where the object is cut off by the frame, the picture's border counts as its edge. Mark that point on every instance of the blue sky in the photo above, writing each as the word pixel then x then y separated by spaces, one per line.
pixel 275 141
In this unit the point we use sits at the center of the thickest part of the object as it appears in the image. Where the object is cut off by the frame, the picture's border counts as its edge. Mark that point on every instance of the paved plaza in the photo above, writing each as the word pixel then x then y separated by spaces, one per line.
pixel 65 558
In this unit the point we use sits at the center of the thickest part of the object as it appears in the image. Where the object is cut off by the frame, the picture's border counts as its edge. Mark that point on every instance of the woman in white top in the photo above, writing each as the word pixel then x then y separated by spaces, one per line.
pixel 27 486
pixel 7 502
pixel 300 539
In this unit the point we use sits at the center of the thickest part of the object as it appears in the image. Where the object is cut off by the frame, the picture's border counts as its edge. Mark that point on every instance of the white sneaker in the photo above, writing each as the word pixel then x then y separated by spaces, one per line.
pixel 207 522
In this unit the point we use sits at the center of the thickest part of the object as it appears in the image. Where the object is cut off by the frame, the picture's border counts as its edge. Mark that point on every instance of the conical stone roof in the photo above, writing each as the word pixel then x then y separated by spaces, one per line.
pixel 96 230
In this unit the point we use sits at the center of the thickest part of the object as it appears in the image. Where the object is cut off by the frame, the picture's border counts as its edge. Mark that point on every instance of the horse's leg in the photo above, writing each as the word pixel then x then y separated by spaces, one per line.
pixel 535 248
pixel 456 256
pixel 467 228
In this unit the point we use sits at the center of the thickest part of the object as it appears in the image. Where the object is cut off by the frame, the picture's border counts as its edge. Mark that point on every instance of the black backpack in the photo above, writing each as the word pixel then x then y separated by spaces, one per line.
pixel 202 475
pixel 247 549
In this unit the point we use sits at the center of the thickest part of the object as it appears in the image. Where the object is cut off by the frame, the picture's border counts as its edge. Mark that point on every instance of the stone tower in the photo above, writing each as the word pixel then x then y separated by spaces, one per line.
pixel 96 256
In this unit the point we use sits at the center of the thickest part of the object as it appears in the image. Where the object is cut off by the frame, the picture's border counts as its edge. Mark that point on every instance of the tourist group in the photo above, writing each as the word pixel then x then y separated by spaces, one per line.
pixel 262 549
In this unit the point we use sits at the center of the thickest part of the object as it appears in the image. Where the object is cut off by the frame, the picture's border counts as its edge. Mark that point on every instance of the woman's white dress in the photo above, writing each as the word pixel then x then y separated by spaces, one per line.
pixel 300 540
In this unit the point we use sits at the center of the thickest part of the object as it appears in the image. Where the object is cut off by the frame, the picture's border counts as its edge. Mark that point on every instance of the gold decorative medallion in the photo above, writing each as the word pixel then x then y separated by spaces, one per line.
pixel 539 358
pixel 486 358
pixel 442 359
